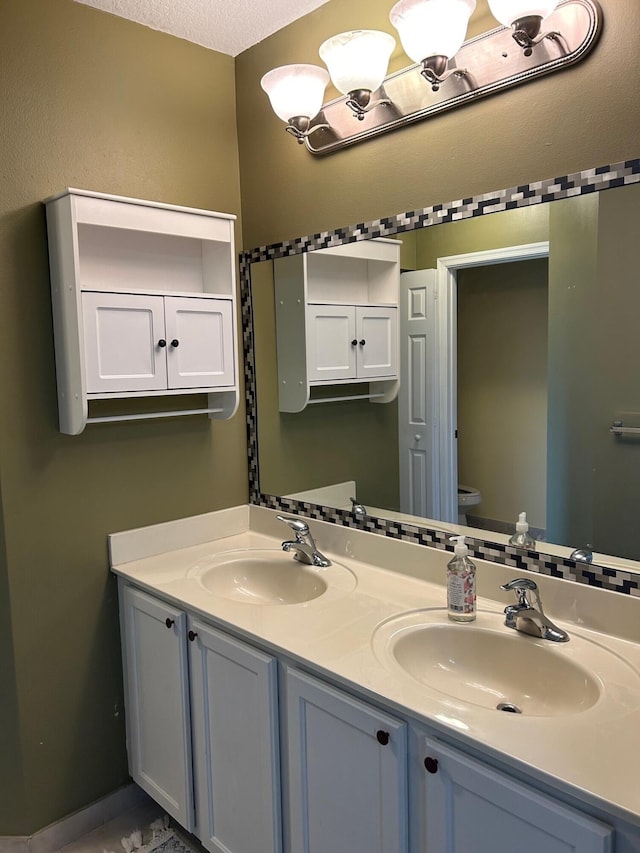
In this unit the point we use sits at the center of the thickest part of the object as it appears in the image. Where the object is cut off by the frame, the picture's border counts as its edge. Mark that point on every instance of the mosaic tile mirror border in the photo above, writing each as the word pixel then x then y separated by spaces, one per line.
pixel 554 189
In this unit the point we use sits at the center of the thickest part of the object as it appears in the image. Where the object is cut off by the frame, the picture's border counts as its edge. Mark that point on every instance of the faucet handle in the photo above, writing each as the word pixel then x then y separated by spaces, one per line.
pixel 296 524
pixel 522 587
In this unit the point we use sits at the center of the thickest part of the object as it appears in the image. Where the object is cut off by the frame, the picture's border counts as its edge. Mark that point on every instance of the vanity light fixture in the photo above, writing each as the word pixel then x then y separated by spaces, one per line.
pixel 296 93
pixel 525 19
pixel 432 32
pixel 550 34
pixel 358 63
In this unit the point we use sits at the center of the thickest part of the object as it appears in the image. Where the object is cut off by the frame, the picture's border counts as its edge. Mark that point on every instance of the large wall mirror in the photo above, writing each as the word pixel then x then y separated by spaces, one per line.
pixel 532 352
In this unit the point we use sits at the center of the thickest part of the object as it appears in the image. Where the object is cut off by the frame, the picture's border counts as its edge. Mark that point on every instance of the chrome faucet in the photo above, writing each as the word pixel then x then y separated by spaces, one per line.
pixel 582 555
pixel 304 544
pixel 528 619
pixel 358 509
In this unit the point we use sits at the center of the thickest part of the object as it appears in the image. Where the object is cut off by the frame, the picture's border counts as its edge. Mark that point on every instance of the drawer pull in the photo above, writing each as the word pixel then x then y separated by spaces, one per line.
pixel 169 622
pixel 192 635
pixel 382 737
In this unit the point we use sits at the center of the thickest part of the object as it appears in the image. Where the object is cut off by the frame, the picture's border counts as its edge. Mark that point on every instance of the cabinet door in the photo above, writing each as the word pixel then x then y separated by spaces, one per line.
pixel 377 334
pixel 235 723
pixel 331 342
pixel 157 691
pixel 200 342
pixel 347 773
pixel 467 807
pixel 124 342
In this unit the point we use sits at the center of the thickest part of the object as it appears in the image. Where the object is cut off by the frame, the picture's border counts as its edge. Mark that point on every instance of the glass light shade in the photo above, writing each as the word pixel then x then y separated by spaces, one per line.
pixel 508 11
pixel 432 27
pixel 357 60
pixel 295 90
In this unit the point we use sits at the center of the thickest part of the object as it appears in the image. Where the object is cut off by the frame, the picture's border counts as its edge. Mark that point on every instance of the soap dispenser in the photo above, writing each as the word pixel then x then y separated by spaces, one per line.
pixel 522 538
pixel 461 583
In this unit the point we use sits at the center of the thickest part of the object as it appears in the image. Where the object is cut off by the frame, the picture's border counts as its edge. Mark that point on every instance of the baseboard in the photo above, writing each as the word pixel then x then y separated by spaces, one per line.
pixel 74 826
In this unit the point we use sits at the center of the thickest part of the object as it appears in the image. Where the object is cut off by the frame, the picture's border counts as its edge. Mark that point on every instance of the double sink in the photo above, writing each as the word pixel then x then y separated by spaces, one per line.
pixel 482 663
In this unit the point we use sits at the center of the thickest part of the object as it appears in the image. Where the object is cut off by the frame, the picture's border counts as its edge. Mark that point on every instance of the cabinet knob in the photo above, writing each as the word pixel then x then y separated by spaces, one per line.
pixel 382 737
pixel 175 343
pixel 362 342
pixel 162 342
pixel 192 635
pixel 431 764
pixel 354 342
pixel 169 622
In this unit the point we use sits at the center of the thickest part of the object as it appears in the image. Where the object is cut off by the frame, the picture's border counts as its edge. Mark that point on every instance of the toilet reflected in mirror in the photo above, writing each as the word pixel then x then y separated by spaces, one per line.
pixel 468 498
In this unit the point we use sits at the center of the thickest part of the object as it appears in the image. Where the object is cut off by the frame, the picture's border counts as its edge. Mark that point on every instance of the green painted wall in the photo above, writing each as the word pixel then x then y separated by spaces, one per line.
pixel 616 483
pixel 502 388
pixel 88 100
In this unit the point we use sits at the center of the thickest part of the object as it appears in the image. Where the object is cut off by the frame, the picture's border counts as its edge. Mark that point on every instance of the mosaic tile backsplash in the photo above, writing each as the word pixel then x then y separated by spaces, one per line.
pixel 554 189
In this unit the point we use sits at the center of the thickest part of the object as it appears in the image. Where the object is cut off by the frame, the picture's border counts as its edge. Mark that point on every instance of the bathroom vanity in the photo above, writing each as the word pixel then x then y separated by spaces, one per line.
pixel 273 706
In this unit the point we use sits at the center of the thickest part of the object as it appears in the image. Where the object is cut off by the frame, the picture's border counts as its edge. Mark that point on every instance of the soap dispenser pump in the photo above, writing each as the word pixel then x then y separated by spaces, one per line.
pixel 461 583
pixel 522 538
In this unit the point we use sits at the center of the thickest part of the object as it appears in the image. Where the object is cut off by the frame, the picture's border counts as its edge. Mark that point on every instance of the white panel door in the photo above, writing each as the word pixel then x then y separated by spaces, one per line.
pixel 199 342
pixel 469 807
pixel 124 342
pixel 347 767
pixel 235 725
pixel 417 410
pixel 331 342
pixel 377 334
pixel 157 691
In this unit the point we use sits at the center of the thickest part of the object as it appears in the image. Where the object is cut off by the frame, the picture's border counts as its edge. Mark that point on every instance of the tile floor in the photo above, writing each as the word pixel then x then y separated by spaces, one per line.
pixel 106 838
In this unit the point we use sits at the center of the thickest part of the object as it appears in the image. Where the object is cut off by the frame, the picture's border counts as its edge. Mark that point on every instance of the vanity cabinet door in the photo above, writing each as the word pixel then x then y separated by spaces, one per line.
pixel 347 768
pixel 156 699
pixel 236 753
pixel 466 807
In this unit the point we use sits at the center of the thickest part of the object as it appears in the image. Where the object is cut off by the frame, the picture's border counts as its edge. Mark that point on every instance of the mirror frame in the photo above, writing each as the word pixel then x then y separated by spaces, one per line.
pixel 598 179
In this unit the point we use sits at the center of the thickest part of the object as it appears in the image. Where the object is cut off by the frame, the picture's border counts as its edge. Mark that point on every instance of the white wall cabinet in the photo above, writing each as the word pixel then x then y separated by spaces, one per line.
pixel 204 726
pixel 337 322
pixel 347 765
pixel 465 806
pixel 351 342
pixel 136 342
pixel 144 305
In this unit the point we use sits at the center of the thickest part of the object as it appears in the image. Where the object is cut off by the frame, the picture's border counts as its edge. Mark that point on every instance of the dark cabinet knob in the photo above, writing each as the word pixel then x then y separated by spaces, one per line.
pixel 162 342
pixel 169 622
pixel 175 342
pixel 192 635
pixel 382 737
pixel 362 342
pixel 354 342
pixel 431 764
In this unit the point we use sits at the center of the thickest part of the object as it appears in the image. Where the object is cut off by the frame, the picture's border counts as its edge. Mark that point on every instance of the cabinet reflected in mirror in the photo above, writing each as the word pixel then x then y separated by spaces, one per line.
pixel 557 460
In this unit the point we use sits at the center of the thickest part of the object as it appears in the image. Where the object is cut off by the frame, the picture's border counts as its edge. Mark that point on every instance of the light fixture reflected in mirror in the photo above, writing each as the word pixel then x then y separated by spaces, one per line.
pixel 358 63
pixel 525 19
pixel 296 93
pixel 432 32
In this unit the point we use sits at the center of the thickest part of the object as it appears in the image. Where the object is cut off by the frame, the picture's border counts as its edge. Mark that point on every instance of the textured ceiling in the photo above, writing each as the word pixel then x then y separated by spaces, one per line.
pixel 228 26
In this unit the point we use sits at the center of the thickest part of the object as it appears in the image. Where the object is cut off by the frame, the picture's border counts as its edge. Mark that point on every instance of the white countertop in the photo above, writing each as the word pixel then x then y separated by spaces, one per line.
pixel 591 755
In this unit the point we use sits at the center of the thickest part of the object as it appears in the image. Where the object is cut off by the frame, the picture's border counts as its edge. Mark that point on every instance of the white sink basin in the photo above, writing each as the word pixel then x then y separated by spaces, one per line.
pixel 486 664
pixel 268 577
